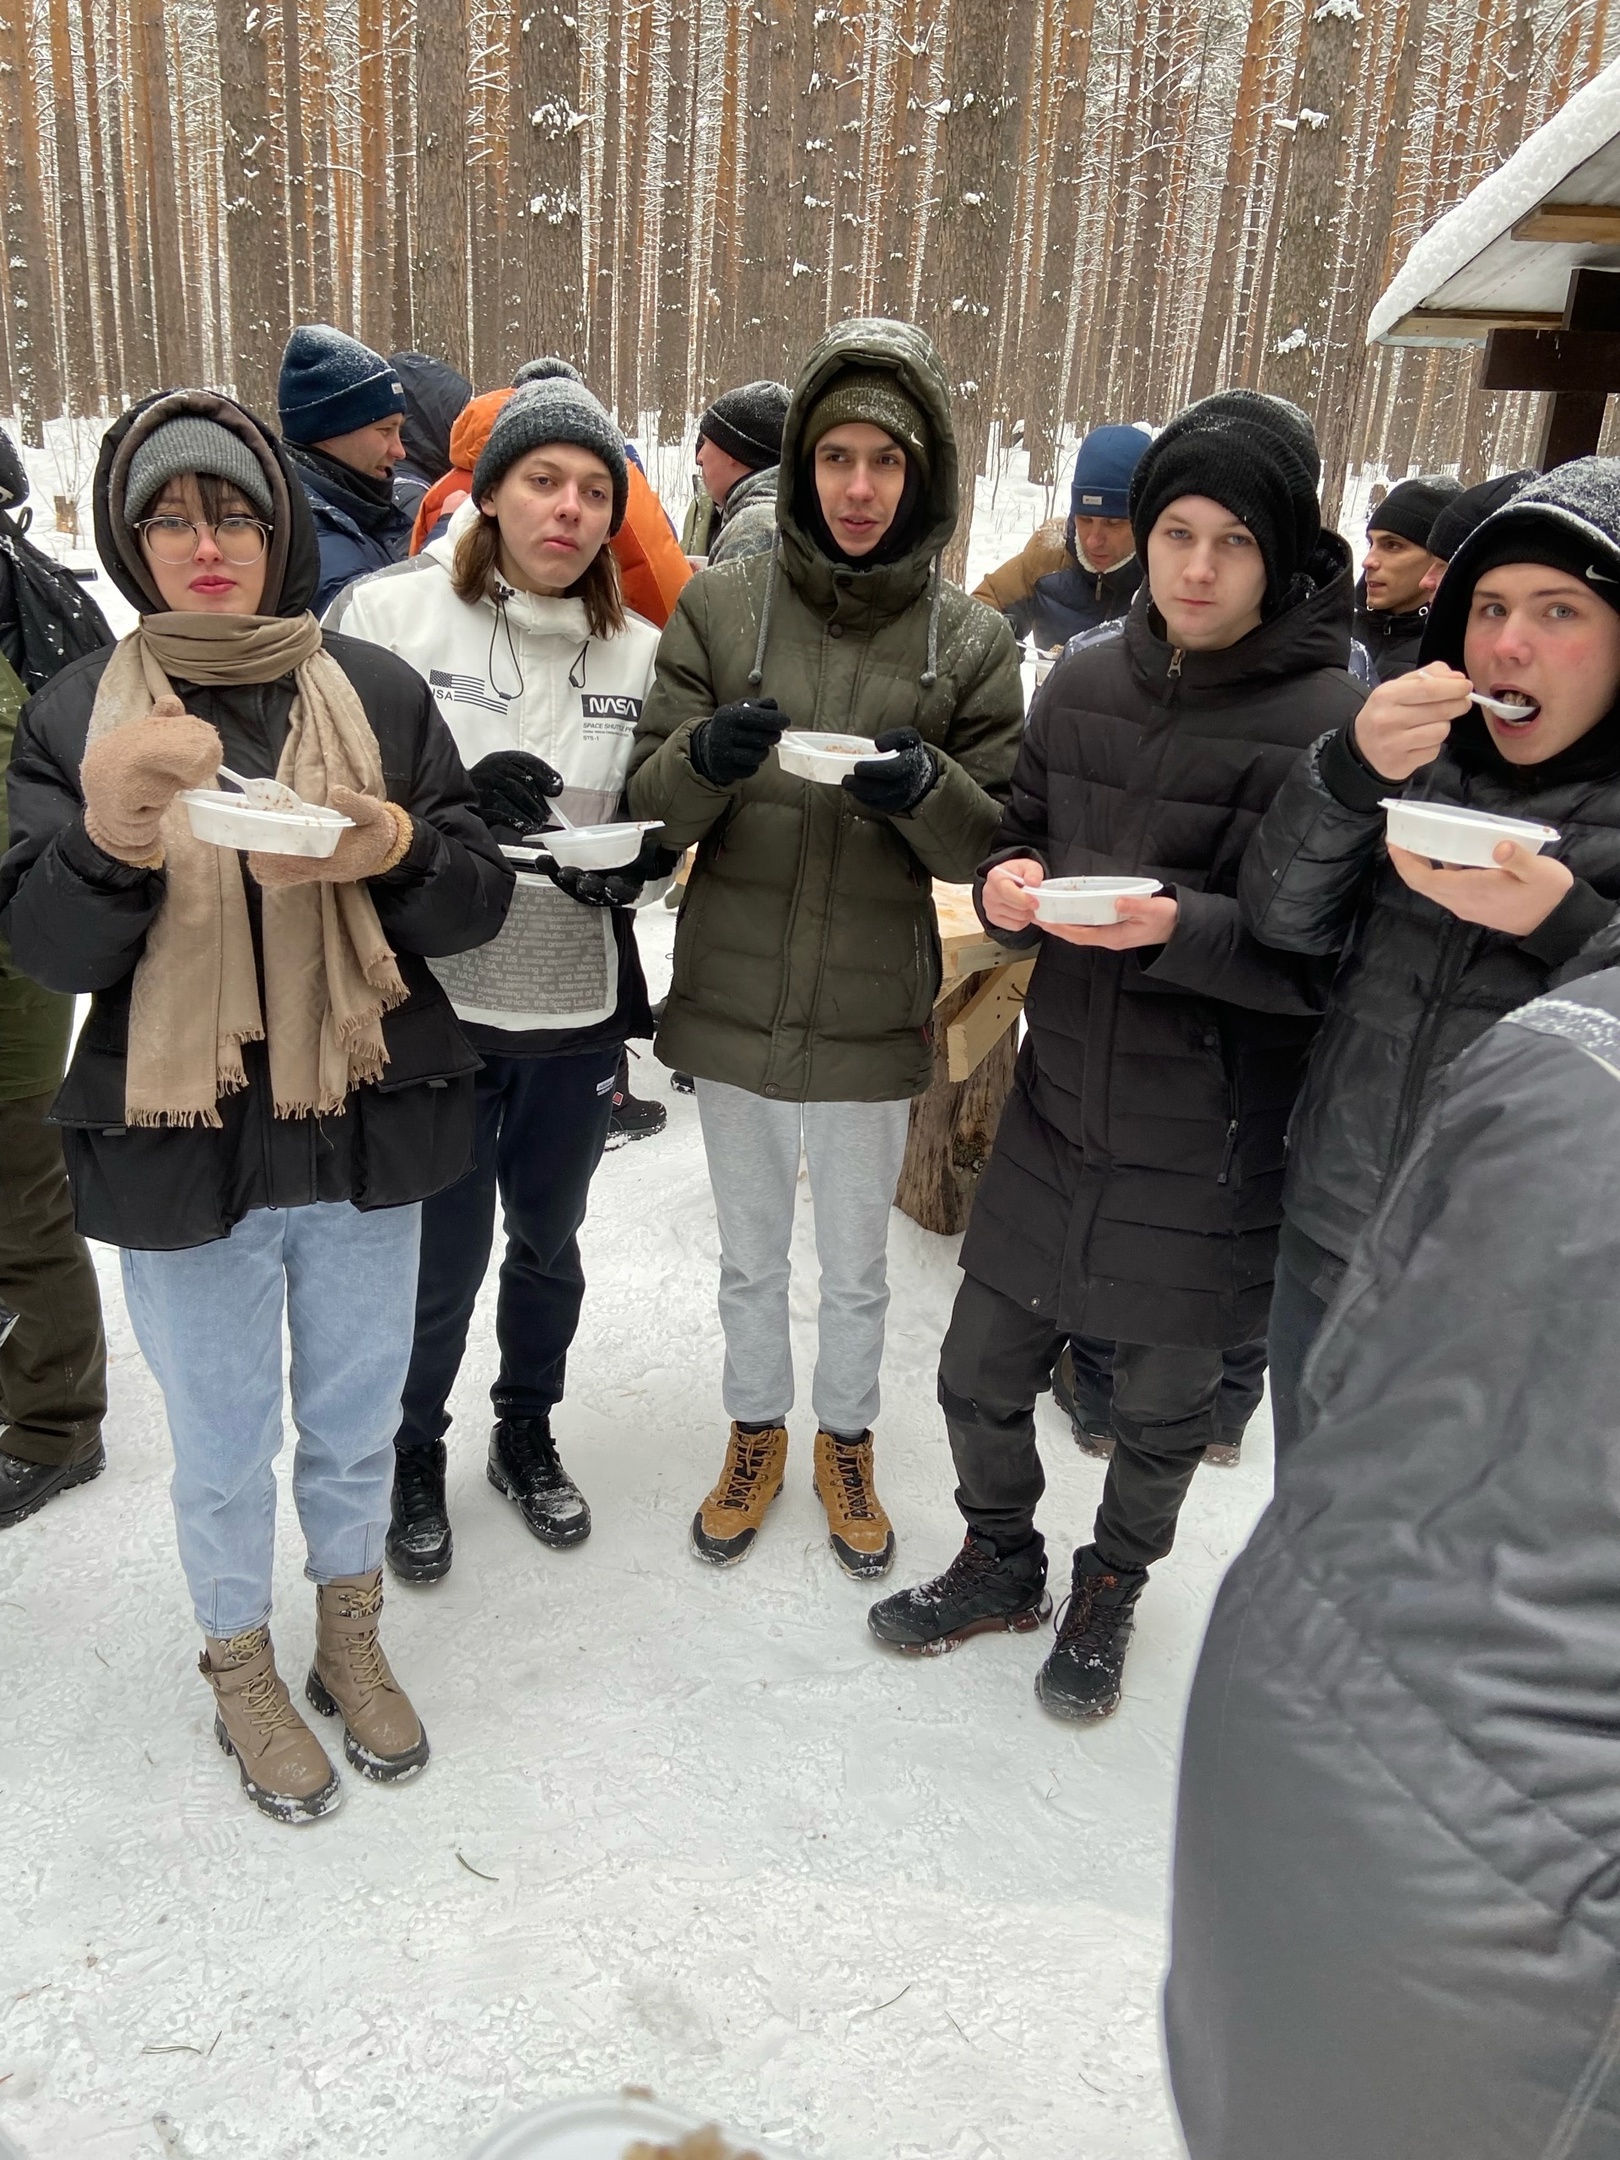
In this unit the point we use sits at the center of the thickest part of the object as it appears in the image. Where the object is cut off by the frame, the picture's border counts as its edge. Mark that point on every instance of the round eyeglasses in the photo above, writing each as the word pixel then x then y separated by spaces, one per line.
pixel 241 540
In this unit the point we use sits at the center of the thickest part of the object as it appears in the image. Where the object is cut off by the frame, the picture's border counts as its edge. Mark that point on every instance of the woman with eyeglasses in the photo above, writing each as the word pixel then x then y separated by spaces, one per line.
pixel 271 1080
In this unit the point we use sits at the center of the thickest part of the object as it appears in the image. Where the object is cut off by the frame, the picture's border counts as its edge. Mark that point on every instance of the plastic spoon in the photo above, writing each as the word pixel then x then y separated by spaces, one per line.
pixel 1500 706
pixel 263 794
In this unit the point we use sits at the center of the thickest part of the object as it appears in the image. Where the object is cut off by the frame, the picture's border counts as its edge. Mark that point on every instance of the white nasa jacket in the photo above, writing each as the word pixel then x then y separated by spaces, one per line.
pixel 523 674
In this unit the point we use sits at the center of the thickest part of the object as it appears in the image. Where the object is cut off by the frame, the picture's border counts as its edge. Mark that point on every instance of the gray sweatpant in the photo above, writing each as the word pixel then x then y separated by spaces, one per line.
pixel 854 1152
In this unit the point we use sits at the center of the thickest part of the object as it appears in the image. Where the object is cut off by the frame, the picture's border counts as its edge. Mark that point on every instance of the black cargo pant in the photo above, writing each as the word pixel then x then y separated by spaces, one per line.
pixel 1243 1384
pixel 53 1366
pixel 996 1359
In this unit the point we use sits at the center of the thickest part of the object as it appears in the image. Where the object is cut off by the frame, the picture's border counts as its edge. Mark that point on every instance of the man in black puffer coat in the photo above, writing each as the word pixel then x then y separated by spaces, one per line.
pixel 1135 1189
pixel 1395 1929
pixel 1528 605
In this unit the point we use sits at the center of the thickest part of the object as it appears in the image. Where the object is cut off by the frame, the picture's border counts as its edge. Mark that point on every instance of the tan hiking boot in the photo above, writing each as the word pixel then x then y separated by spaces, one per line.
pixel 351 1679
pixel 858 1530
pixel 284 1768
pixel 728 1521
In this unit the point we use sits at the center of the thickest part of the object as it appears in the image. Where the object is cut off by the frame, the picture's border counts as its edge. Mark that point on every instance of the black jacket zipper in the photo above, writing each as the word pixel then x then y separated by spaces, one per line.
pixel 1457 938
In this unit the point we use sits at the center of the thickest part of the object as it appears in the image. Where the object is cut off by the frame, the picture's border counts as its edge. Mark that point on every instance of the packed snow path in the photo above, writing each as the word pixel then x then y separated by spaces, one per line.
pixel 683 1828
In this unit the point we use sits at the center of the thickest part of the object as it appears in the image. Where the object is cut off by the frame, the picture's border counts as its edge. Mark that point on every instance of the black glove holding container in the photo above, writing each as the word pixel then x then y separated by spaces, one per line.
pixel 612 888
pixel 735 740
pixel 899 784
pixel 513 789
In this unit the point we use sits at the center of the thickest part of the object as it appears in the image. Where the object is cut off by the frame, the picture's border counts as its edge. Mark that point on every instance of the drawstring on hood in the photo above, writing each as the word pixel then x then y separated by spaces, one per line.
pixel 503 593
pixel 930 674
pixel 756 674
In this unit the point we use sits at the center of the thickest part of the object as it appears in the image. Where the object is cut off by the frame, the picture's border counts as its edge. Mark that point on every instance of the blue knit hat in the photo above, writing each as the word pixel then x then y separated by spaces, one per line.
pixel 331 384
pixel 1102 471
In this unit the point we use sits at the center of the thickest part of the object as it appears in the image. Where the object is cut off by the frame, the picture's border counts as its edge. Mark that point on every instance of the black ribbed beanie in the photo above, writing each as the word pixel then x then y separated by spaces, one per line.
pixel 1254 455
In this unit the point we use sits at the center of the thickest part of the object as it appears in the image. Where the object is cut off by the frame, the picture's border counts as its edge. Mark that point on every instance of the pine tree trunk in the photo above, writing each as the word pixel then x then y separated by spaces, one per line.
pixel 255 238
pixel 439 273
pixel 78 327
pixel 674 282
pixel 545 179
pixel 110 370
pixel 400 168
pixel 36 378
pixel 1265 24
pixel 1062 168
pixel 176 343
pixel 376 293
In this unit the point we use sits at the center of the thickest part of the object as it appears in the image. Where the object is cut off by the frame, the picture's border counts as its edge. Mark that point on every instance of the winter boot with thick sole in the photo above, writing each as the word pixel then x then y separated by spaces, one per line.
pixel 858 1530
pixel 634 1116
pixel 418 1546
pixel 1225 1451
pixel 352 1679
pixel 980 1593
pixel 524 1464
pixel 284 1769
pixel 25 1487
pixel 726 1525
pixel 1083 1674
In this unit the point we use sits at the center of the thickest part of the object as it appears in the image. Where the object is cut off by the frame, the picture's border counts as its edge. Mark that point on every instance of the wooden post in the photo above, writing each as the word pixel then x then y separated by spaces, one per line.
pixel 1579 362
pixel 953 1126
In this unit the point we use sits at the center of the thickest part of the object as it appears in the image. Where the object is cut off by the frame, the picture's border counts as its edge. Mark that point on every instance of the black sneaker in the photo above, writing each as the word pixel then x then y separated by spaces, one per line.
pixel 26 1486
pixel 977 1594
pixel 523 1464
pixel 683 1083
pixel 632 1119
pixel 1093 1434
pixel 418 1544
pixel 1082 1675
pixel 1225 1451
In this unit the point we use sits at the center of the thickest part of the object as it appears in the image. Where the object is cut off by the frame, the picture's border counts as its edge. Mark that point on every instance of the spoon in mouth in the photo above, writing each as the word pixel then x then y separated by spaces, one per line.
pixel 1501 708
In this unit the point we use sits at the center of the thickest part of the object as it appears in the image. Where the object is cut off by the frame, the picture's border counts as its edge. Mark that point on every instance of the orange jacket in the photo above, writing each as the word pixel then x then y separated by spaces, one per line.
pixel 651 565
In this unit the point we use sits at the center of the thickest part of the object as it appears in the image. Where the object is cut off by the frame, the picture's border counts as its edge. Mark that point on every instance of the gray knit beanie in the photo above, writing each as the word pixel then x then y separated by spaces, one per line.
pixel 553 411
pixel 193 444
pixel 548 368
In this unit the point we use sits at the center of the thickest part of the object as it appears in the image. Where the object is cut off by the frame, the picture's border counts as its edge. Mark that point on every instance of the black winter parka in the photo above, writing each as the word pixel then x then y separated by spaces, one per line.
pixel 77 921
pixel 1135 1187
pixel 1396 1933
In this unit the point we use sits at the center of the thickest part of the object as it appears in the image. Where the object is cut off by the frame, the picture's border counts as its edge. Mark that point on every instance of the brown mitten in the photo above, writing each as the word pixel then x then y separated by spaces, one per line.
pixel 130 777
pixel 374 843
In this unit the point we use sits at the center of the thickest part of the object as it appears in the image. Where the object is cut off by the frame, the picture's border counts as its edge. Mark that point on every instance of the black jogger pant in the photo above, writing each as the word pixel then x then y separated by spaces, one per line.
pixel 996 1359
pixel 542 1125
pixel 1243 1382
pixel 53 1366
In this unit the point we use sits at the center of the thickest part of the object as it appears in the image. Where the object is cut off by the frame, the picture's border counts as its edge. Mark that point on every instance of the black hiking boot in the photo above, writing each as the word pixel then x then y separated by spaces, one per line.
pixel 26 1486
pixel 977 1594
pixel 523 1464
pixel 1081 1677
pixel 1093 1432
pixel 418 1544
pixel 633 1118
pixel 683 1083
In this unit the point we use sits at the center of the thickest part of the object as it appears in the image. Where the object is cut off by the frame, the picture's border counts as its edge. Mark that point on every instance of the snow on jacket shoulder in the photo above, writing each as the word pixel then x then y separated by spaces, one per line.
pixel 1135 1188
pixel 527 675
pixel 1395 1932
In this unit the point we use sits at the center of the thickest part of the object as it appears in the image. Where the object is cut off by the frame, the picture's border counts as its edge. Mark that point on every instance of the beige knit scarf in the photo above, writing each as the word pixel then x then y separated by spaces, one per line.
pixel 329 974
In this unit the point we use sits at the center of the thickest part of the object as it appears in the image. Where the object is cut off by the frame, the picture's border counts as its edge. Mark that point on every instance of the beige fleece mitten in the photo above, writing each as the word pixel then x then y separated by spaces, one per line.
pixel 377 840
pixel 130 776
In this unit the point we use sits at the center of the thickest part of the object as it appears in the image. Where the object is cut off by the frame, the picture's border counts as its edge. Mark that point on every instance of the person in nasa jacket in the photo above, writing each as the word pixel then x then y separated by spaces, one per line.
pixel 517 621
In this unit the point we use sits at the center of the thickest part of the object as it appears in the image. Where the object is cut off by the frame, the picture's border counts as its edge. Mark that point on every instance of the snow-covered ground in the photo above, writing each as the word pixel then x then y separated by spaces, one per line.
pixel 682 1829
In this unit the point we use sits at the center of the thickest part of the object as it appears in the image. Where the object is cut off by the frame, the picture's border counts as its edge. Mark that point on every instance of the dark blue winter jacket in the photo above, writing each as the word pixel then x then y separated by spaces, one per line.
pixel 357 532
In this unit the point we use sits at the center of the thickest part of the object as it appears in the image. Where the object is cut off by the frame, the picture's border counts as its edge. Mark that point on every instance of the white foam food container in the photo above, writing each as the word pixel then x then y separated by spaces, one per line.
pixel 1088 901
pixel 597 847
pixel 827 758
pixel 1444 832
pixel 226 819
pixel 600 2130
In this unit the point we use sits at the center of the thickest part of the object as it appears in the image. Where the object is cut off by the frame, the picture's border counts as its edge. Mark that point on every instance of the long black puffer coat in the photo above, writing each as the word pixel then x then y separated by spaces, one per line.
pixel 1415 985
pixel 1396 1916
pixel 1135 1188
pixel 77 920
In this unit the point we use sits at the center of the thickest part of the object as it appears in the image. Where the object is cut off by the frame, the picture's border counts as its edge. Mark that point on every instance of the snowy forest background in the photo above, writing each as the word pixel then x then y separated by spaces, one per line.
pixel 1099 209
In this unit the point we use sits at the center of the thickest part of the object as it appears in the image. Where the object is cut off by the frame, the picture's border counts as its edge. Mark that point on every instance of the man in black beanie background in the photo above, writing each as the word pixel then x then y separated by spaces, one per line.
pixel 1391 606
pixel 1135 1189
pixel 739 437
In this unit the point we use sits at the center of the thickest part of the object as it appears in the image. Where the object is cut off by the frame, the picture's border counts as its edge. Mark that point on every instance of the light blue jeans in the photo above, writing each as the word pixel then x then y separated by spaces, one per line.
pixel 208 1320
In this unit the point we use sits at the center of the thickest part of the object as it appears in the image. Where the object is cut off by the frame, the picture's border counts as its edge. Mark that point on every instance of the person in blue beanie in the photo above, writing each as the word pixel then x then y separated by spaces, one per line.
pixel 342 408
pixel 1072 578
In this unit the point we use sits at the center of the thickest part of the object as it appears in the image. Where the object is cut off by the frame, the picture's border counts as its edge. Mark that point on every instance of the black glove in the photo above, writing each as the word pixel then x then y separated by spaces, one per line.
pixel 612 888
pixel 732 744
pixel 512 788
pixel 899 784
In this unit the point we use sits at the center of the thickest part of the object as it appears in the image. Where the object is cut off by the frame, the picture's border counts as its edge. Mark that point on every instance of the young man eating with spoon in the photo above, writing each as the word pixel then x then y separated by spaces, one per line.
pixel 1527 617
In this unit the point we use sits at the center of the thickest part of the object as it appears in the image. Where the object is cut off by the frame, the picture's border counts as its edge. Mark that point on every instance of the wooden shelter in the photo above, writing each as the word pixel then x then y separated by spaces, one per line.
pixel 1528 266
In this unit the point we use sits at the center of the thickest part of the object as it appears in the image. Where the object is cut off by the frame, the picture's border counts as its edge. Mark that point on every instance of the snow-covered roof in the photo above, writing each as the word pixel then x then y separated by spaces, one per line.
pixel 1468 273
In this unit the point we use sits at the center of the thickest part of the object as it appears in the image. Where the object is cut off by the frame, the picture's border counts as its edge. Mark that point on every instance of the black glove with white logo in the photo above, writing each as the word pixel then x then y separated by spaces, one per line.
pixel 734 742
pixel 513 788
pixel 899 784
pixel 619 888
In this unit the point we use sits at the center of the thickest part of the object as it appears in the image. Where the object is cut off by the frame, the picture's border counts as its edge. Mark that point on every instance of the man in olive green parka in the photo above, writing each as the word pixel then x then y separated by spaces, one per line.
pixel 806 960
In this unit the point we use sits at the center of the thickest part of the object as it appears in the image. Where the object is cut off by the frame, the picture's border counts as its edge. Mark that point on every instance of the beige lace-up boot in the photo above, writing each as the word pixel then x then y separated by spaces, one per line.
pixel 727 1523
pixel 284 1768
pixel 351 1678
pixel 858 1530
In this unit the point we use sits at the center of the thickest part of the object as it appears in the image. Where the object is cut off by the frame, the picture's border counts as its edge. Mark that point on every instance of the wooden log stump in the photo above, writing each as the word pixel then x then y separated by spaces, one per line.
pixel 953 1125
